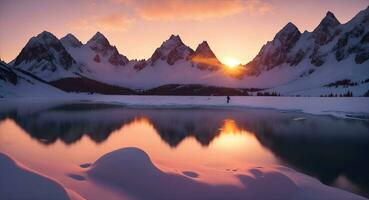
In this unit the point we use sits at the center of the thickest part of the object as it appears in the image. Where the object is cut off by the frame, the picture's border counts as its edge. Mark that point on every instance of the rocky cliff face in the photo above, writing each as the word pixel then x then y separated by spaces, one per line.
pixel 7 74
pixel 71 41
pixel 171 51
pixel 276 51
pixel 355 39
pixel 44 53
pixel 101 46
pixel 330 37
pixel 204 58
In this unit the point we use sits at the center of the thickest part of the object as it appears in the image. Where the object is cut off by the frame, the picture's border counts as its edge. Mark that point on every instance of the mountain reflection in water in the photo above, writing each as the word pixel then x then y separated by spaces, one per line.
pixel 324 147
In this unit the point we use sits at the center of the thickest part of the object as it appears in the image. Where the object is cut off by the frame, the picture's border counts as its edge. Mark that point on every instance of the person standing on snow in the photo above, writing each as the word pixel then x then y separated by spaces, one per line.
pixel 228 99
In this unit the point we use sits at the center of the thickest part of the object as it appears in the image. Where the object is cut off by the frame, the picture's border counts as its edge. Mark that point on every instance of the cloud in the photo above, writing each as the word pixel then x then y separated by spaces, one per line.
pixel 109 22
pixel 177 10
pixel 257 7
pixel 114 22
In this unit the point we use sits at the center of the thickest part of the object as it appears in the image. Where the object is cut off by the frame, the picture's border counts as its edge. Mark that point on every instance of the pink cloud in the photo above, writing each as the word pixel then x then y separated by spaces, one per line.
pixel 109 22
pixel 114 22
pixel 257 7
pixel 172 10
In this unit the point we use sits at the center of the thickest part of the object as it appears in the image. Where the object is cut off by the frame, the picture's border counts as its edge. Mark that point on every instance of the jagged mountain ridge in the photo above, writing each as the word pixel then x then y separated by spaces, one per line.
pixel 45 56
pixel 290 46
pixel 291 58
pixel 97 49
pixel 70 41
pixel 171 51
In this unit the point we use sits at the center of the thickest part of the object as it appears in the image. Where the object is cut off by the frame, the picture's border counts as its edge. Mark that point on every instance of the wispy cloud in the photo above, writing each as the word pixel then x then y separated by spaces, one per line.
pixel 258 7
pixel 109 22
pixel 115 22
pixel 177 10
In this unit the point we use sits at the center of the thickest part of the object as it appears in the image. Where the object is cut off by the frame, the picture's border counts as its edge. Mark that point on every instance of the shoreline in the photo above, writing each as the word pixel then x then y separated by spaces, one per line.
pixel 348 108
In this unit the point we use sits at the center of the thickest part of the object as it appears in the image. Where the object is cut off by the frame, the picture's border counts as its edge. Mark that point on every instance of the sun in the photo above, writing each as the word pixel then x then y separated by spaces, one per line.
pixel 231 62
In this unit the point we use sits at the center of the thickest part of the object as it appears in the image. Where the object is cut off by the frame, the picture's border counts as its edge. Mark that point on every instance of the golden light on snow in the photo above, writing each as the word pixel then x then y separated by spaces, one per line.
pixel 231 62
pixel 232 137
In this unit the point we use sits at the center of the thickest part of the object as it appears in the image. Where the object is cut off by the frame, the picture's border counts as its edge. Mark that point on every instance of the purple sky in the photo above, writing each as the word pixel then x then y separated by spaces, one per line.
pixel 235 29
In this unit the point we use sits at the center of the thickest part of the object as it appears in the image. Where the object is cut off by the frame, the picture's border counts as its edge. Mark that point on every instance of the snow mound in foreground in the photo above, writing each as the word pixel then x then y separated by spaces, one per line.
pixel 132 171
pixel 18 182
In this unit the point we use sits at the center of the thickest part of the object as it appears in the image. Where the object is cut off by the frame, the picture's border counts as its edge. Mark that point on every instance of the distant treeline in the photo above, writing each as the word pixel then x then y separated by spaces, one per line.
pixel 86 85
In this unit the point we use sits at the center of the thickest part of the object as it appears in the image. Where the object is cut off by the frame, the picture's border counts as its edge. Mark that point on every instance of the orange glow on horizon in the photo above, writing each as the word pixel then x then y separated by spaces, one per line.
pixel 236 28
pixel 231 62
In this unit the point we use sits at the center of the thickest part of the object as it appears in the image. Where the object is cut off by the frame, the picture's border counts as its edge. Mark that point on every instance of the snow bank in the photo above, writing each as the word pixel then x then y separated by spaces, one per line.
pixel 18 182
pixel 350 107
pixel 131 170
pixel 340 107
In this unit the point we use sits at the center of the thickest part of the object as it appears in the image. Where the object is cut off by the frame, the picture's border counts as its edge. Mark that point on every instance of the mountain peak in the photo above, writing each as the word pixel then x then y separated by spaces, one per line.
pixel 70 41
pixel 290 25
pixel 45 34
pixel 175 37
pixel 44 37
pixel 330 19
pixel 327 22
pixel 205 58
pixel 286 34
pixel 326 30
pixel 288 28
pixel 99 38
pixel 99 43
pixel 204 44
pixel 203 50
pixel 171 50
pixel 44 54
pixel 98 35
pixel 70 36
pixel 330 14
pixel 173 41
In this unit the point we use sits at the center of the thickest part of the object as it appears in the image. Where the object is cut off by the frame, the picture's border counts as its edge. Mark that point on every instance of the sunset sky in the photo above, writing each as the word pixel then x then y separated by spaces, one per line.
pixel 235 29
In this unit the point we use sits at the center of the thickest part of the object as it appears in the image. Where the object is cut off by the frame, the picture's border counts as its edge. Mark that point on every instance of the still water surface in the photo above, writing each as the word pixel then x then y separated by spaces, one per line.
pixel 56 139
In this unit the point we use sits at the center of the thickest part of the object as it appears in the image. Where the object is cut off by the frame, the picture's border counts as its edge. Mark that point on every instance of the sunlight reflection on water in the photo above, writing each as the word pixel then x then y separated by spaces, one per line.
pixel 57 140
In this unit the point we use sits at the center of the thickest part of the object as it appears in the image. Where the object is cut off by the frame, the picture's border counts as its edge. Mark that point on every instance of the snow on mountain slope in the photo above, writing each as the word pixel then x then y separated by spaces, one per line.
pixel 70 41
pixel 45 57
pixel 97 51
pixel 293 63
pixel 204 57
pixel 171 51
pixel 308 61
pixel 172 62
pixel 330 37
pixel 18 83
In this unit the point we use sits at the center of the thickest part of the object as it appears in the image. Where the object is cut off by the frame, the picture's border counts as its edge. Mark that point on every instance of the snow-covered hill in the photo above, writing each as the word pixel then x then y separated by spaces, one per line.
pixel 333 58
pixel 14 83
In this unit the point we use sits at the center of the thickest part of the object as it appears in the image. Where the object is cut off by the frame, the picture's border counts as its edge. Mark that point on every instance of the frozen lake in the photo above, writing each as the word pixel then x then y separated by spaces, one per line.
pixel 211 146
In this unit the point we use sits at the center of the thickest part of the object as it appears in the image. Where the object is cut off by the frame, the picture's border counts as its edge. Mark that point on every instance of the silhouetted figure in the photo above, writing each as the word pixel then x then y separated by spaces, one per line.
pixel 228 99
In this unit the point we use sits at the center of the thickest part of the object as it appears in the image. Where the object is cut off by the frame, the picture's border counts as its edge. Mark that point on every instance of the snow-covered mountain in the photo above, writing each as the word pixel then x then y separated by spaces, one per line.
pixel 333 58
pixel 15 82
pixel 70 41
pixel 7 75
pixel 171 51
pixel 330 37
pixel 45 57
pixel 204 57
pixel 309 62
pixel 96 51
